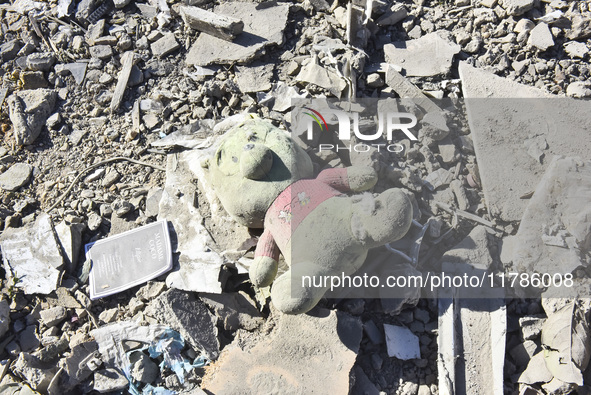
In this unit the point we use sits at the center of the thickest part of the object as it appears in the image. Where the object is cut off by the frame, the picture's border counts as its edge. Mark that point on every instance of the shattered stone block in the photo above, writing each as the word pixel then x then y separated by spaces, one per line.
pixel 28 111
pixel 190 317
pixel 262 27
pixel 301 352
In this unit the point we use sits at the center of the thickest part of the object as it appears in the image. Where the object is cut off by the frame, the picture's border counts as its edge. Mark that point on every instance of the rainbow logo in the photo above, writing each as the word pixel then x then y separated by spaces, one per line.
pixel 317 117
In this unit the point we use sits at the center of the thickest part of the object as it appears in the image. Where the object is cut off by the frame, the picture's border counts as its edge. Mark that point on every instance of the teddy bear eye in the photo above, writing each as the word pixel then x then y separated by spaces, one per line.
pixel 234 159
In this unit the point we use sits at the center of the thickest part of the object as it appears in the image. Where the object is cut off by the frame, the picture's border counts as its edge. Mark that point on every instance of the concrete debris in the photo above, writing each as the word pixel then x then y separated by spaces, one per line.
pixel 578 89
pixel 395 14
pixel 567 218
pixel 438 178
pixel 15 177
pixel 362 383
pixel 331 342
pixel 565 337
pixel 142 368
pixel 236 310
pixel 576 49
pixel 326 78
pixel 536 371
pixel 255 77
pixel 53 316
pixel 190 317
pixel 165 46
pixel 37 374
pixel 430 55
pixel 262 27
pixel 503 187
pixel 541 37
pixel 70 239
pixel 407 89
pixel 284 95
pixel 401 342
pixel 108 380
pixel 220 26
pixel 28 112
pixel 33 256
pixel 517 7
pixel 78 70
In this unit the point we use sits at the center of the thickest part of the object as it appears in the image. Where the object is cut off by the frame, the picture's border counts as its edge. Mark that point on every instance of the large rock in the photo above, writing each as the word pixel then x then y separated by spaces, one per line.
pixel 15 177
pixel 541 37
pixel 28 111
pixel 305 354
pixel 262 27
pixel 432 54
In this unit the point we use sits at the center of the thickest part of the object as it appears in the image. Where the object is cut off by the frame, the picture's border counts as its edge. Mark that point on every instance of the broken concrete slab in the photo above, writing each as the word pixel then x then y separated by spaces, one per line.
pixel 33 256
pixel 472 322
pixel 541 37
pixel 516 112
pixel 53 316
pixel 254 77
pixel 555 227
pixel 164 46
pixel 190 317
pixel 324 77
pixel 35 372
pixel 393 15
pixel 401 342
pixel 218 25
pixel 15 177
pixel 407 89
pixel 284 94
pixel 70 239
pixel 430 55
pixel 108 380
pixel 517 7
pixel 322 348
pixel 78 70
pixel 236 310
pixel 262 27
pixel 28 111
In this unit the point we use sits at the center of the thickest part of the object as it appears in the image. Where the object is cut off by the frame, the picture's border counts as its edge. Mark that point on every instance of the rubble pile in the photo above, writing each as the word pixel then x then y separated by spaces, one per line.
pixel 107 109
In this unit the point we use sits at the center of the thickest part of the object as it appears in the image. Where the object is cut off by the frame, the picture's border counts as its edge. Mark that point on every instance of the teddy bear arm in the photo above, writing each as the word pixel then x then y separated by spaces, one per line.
pixel 361 178
pixel 263 269
pixel 354 178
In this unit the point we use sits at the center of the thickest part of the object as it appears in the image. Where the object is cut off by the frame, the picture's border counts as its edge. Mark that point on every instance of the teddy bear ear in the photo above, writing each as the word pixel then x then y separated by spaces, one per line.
pixel 205 163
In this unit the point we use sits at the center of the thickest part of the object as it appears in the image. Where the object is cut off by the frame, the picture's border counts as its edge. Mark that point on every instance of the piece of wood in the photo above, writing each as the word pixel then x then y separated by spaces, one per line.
pixel 220 26
pixel 127 60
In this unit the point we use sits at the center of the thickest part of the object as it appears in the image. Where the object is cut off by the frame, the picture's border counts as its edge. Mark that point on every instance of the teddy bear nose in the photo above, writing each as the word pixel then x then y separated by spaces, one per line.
pixel 256 161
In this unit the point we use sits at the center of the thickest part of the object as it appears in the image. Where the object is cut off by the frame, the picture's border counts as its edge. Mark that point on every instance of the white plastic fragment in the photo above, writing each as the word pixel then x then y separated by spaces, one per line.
pixel 401 342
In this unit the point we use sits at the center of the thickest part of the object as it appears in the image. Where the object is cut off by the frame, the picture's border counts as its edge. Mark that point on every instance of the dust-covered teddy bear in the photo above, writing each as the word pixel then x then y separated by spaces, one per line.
pixel 263 179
